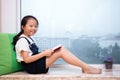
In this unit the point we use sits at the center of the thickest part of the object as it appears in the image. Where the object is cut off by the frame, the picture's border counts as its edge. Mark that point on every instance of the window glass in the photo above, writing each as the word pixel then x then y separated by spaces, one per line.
pixel 90 29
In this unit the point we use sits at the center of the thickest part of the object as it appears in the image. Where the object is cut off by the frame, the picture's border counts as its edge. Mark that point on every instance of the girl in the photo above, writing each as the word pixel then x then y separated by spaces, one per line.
pixel 35 62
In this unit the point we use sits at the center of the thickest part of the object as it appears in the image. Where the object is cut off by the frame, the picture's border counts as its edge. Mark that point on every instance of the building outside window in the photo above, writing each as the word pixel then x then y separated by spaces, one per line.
pixel 88 28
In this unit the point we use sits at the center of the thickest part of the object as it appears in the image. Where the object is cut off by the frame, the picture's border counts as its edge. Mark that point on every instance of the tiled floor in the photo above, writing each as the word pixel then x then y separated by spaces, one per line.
pixel 67 72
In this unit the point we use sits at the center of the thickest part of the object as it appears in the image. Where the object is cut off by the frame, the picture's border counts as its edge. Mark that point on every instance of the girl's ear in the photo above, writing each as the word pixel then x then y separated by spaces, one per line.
pixel 22 27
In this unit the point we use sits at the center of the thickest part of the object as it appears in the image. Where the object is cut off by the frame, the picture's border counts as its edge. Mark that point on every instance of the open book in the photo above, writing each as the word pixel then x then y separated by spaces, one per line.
pixel 56 48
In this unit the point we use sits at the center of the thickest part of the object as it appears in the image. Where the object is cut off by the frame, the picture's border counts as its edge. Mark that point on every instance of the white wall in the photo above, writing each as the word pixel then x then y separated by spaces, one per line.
pixel 9 15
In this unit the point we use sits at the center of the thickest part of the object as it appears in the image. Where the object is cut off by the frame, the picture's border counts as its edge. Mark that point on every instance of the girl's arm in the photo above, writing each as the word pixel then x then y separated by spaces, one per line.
pixel 29 59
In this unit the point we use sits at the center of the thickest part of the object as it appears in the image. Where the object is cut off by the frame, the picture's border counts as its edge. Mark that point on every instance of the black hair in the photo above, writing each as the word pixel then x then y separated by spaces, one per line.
pixel 23 23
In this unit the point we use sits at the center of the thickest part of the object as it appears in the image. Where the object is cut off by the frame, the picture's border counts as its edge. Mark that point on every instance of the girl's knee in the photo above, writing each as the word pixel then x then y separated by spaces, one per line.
pixel 62 50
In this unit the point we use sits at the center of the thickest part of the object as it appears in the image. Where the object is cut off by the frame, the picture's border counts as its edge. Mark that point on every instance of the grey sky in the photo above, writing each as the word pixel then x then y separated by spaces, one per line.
pixel 78 17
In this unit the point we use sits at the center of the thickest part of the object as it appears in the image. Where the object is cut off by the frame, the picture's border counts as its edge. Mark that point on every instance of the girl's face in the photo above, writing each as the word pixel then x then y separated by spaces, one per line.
pixel 30 28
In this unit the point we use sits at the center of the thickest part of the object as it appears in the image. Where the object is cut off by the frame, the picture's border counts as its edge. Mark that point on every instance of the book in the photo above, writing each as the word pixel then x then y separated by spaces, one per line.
pixel 56 48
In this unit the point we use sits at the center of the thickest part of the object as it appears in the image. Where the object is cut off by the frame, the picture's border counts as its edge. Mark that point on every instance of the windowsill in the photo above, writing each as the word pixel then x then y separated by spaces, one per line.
pixel 67 72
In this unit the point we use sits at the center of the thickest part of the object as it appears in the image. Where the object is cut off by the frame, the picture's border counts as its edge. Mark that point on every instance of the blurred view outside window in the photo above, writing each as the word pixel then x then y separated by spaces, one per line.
pixel 90 29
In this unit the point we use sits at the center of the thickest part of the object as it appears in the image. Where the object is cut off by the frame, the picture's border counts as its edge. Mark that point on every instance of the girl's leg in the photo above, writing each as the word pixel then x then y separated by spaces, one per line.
pixel 71 59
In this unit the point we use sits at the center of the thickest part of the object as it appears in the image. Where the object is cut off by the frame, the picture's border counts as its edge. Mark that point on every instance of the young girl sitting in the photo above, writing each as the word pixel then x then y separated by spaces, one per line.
pixel 35 62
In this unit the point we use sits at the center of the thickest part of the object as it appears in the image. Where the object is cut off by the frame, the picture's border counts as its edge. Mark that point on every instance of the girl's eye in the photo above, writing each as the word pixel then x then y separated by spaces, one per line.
pixel 30 25
pixel 36 26
pixel 33 26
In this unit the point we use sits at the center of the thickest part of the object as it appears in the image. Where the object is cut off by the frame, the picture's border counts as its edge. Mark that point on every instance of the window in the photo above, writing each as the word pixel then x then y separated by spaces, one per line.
pixel 88 28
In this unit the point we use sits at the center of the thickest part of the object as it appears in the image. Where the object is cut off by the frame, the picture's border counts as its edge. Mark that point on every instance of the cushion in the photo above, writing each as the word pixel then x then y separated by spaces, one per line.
pixel 8 62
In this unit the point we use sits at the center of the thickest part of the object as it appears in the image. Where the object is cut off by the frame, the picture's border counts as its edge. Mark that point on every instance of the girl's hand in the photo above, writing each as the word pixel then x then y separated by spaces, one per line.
pixel 48 52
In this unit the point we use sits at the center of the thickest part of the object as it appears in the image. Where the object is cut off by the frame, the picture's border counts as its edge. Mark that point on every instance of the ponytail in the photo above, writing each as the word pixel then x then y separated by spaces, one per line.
pixel 15 38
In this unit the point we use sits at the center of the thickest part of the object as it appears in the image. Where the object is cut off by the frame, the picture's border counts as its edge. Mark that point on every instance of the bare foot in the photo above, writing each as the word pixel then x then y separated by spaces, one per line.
pixel 92 70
